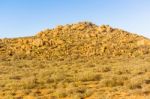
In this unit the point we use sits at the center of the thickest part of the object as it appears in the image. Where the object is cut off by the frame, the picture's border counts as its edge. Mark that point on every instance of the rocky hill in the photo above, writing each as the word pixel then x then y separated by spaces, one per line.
pixel 83 39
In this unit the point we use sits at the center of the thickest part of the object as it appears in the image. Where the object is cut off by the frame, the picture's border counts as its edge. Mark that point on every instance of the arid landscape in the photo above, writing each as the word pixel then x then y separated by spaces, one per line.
pixel 76 61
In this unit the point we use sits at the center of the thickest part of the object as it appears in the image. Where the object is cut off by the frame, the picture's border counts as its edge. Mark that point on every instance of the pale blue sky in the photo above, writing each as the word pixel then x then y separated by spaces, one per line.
pixel 27 17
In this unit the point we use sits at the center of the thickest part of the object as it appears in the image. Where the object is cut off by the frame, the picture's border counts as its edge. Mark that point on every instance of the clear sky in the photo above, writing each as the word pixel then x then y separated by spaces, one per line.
pixel 27 17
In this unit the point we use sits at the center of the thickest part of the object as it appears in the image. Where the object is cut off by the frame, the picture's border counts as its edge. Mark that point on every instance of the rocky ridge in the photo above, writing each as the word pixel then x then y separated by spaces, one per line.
pixel 83 39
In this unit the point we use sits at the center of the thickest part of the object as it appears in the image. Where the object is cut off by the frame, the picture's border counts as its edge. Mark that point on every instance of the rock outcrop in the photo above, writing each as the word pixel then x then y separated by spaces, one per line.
pixel 83 39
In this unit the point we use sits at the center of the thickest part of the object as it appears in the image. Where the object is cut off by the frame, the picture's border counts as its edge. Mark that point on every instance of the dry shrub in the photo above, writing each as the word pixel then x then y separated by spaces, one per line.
pixel 28 83
pixel 113 81
pixel 56 77
pixel 61 93
pixel 87 76
pixel 135 82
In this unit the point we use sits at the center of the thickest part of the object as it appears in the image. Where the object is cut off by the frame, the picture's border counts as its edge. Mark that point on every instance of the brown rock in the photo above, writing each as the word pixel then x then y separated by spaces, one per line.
pixel 37 42
pixel 77 40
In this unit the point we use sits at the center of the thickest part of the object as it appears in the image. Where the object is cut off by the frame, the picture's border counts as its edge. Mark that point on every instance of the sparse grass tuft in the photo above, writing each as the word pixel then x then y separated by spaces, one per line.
pixel 87 76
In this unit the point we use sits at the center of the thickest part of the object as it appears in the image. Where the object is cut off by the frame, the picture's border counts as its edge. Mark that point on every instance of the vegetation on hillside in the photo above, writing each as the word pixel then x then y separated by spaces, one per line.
pixel 77 61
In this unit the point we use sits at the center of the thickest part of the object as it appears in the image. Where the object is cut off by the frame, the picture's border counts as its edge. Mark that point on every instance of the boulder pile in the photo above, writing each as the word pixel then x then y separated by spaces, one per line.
pixel 83 39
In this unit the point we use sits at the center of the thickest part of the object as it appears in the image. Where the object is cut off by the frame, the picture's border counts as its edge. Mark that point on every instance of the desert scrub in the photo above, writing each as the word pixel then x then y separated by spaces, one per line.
pixel 77 92
pixel 9 97
pixel 77 96
pixel 87 76
pixel 28 83
pixel 88 92
pixel 146 89
pixel 80 92
pixel 44 76
pixel 103 68
pixel 61 93
pixel 58 76
pixel 113 81
pixel 135 82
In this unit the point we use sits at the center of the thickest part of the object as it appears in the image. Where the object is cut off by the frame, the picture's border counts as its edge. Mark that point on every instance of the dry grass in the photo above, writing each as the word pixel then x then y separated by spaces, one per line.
pixel 77 79
pixel 77 61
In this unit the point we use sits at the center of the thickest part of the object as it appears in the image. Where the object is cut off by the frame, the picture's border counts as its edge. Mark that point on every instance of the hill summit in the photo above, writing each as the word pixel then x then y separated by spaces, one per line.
pixel 83 39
